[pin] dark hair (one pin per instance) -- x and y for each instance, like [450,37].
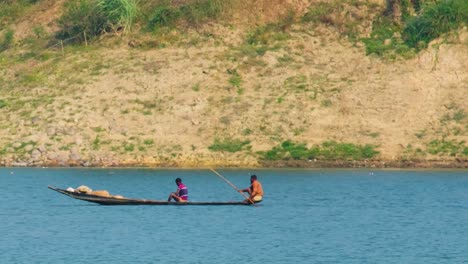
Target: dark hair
[178,180]
[253,177]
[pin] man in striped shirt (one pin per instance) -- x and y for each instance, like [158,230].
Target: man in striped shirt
[181,194]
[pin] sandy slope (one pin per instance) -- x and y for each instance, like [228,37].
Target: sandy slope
[164,107]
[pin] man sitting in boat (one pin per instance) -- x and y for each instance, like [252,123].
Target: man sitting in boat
[255,190]
[181,194]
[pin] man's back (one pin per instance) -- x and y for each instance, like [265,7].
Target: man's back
[183,192]
[257,188]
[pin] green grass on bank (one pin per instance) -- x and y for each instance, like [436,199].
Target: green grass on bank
[229,145]
[7,40]
[329,150]
[432,20]
[443,147]
[385,40]
[84,20]
[163,14]
[289,150]
[11,10]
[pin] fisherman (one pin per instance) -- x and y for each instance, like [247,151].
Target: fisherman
[255,190]
[181,194]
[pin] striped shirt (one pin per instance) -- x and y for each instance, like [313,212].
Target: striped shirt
[182,191]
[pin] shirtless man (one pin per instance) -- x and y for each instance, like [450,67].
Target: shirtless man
[255,190]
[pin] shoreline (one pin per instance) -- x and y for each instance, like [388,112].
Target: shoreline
[284,164]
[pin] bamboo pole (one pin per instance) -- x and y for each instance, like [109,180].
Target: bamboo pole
[233,186]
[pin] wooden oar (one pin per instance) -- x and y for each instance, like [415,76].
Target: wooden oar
[233,186]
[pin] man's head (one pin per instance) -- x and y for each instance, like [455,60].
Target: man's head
[253,178]
[178,181]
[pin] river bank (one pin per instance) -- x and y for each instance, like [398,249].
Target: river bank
[232,95]
[380,164]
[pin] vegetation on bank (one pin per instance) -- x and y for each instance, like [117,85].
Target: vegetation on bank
[420,21]
[433,20]
[7,40]
[286,151]
[229,145]
[13,9]
[447,147]
[191,13]
[415,27]
[85,21]
[328,150]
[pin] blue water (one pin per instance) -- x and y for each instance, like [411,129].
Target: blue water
[308,216]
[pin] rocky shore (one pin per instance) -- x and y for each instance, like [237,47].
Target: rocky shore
[73,159]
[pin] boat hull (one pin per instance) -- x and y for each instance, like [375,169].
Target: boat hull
[130,201]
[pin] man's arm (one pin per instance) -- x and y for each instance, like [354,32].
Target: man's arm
[244,190]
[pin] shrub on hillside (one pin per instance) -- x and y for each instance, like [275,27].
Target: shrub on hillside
[164,15]
[201,10]
[446,147]
[384,40]
[7,40]
[90,18]
[119,14]
[81,19]
[11,10]
[435,20]
[328,150]
[229,145]
[2,103]
[193,13]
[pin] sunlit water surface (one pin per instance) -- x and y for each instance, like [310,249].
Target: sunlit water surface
[308,216]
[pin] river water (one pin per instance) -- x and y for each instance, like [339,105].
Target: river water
[307,216]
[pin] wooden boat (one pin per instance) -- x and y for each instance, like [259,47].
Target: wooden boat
[130,201]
